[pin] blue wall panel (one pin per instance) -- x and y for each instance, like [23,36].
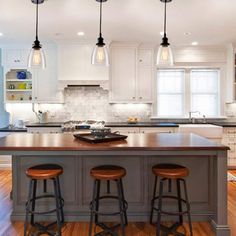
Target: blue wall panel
[4,116]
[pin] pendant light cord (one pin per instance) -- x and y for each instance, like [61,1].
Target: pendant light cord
[37,12]
[165,20]
[100,26]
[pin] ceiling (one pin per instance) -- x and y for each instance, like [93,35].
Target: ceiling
[211,22]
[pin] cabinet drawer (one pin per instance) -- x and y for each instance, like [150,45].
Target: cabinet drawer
[157,130]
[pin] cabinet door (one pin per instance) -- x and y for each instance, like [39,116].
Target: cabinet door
[145,76]
[145,84]
[74,63]
[145,57]
[16,58]
[45,81]
[123,74]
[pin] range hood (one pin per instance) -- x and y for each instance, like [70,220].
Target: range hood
[83,83]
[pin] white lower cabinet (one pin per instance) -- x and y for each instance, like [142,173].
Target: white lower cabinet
[157,130]
[125,130]
[41,130]
[229,139]
[143,130]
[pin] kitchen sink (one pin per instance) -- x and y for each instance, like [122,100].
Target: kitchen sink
[206,130]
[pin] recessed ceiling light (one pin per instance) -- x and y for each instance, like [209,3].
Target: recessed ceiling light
[162,33]
[194,43]
[187,33]
[81,33]
[1,34]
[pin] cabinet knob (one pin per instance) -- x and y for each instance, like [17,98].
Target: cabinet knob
[35,97]
[140,60]
[133,97]
[140,97]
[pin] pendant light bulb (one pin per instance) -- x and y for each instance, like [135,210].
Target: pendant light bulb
[165,55]
[100,55]
[36,57]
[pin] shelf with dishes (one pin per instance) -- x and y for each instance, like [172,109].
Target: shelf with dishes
[18,86]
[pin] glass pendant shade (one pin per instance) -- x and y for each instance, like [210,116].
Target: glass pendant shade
[100,56]
[37,59]
[165,56]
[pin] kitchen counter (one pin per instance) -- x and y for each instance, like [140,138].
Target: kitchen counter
[49,124]
[206,160]
[138,124]
[141,124]
[8,129]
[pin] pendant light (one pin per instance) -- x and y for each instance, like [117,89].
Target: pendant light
[165,55]
[36,57]
[100,54]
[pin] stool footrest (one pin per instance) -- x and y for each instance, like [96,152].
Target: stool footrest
[45,212]
[108,213]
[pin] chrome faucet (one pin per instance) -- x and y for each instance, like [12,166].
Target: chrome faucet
[190,118]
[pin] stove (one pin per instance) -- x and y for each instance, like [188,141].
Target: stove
[80,126]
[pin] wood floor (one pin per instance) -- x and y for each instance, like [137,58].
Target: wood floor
[7,228]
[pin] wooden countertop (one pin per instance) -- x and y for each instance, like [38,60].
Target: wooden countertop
[134,142]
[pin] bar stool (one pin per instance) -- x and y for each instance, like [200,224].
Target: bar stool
[170,172]
[108,173]
[43,173]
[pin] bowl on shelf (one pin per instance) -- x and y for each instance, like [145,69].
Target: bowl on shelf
[21,75]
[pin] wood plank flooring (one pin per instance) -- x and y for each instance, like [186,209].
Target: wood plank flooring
[8,228]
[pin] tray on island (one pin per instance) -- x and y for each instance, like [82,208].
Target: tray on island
[93,139]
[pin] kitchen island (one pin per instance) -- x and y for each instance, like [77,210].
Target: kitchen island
[206,160]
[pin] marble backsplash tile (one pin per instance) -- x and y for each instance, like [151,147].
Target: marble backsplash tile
[83,103]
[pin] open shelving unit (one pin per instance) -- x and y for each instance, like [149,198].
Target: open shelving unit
[18,90]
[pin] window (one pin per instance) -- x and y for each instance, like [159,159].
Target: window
[170,93]
[205,92]
[182,90]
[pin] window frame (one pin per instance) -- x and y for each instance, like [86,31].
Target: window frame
[187,94]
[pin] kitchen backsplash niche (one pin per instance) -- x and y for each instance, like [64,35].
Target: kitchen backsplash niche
[83,103]
[93,103]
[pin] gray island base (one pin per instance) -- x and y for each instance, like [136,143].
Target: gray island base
[206,160]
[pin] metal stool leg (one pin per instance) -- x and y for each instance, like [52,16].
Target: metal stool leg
[153,200]
[179,200]
[158,232]
[28,207]
[123,200]
[93,207]
[188,208]
[97,200]
[121,207]
[33,200]
[57,200]
[61,203]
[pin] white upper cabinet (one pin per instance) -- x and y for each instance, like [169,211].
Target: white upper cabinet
[44,81]
[131,74]
[45,88]
[145,76]
[123,73]
[15,58]
[74,64]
